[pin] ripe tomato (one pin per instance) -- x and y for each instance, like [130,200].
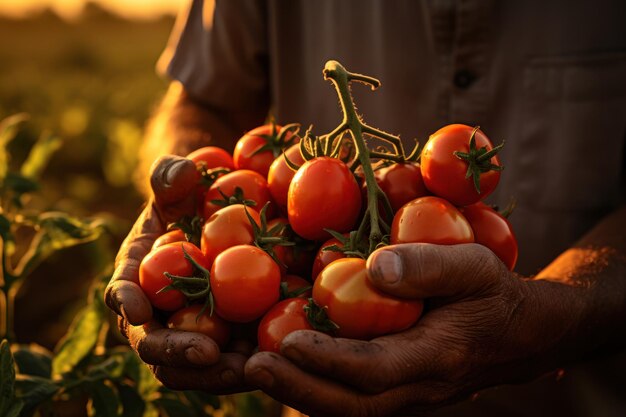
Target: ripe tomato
[175,235]
[247,155]
[444,172]
[280,175]
[212,157]
[296,283]
[168,258]
[283,318]
[227,227]
[356,306]
[325,257]
[189,319]
[323,194]
[252,184]
[401,183]
[430,220]
[245,282]
[493,231]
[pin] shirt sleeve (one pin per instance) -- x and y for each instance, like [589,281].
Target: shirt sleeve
[218,51]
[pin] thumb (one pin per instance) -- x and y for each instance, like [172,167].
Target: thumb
[173,179]
[422,270]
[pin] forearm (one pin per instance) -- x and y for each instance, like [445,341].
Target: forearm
[585,292]
[182,124]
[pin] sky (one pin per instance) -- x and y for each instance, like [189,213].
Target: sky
[71,8]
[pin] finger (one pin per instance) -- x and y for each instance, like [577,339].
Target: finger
[128,300]
[173,180]
[317,396]
[224,377]
[421,270]
[371,367]
[157,345]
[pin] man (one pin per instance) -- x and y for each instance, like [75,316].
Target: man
[547,78]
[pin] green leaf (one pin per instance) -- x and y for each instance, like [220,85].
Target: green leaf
[8,130]
[132,403]
[39,155]
[15,409]
[199,400]
[81,338]
[33,360]
[104,401]
[5,229]
[34,390]
[173,407]
[20,184]
[7,378]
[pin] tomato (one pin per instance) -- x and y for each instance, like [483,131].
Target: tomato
[252,184]
[189,319]
[493,231]
[296,283]
[325,257]
[323,194]
[280,175]
[212,157]
[356,306]
[245,282]
[225,228]
[247,155]
[285,317]
[168,258]
[401,183]
[430,220]
[444,172]
[175,235]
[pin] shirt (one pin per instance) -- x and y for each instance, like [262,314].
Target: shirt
[546,77]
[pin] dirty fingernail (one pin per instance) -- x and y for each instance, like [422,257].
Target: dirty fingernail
[195,356]
[385,266]
[263,378]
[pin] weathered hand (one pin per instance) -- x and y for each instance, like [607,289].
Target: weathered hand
[180,360]
[484,326]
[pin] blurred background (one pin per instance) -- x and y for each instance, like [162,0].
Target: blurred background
[84,71]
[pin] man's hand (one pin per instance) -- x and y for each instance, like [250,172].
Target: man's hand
[180,360]
[484,326]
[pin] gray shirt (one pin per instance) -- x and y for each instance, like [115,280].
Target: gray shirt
[548,77]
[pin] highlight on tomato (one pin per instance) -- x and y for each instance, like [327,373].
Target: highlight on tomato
[237,187]
[197,318]
[283,318]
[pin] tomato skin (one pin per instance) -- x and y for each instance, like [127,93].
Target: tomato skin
[430,220]
[248,144]
[493,231]
[323,194]
[325,257]
[245,282]
[187,319]
[280,175]
[167,258]
[213,157]
[356,306]
[283,318]
[294,283]
[253,185]
[226,228]
[444,173]
[175,235]
[401,183]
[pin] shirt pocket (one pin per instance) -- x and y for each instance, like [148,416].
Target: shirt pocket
[572,130]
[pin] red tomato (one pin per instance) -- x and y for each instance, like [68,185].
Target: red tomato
[280,175]
[285,317]
[245,155]
[245,282]
[295,283]
[493,231]
[401,183]
[444,172]
[175,235]
[356,306]
[253,185]
[226,228]
[168,258]
[430,220]
[189,319]
[325,257]
[212,157]
[323,194]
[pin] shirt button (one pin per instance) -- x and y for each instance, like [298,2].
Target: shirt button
[463,79]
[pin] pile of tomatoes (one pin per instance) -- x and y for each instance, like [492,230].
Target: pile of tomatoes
[279,249]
